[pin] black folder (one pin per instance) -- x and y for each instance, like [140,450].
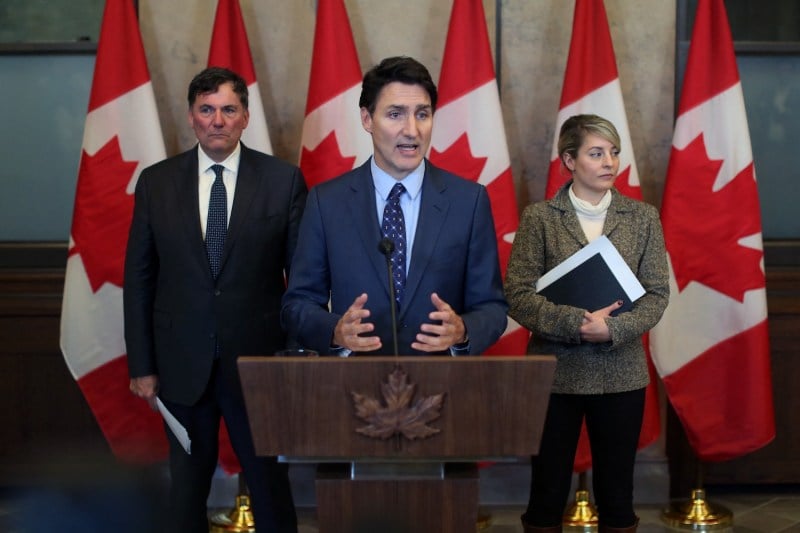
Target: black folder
[594,277]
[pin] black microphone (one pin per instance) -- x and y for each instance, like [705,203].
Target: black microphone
[386,247]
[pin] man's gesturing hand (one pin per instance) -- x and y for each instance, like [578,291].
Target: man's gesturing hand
[440,337]
[346,333]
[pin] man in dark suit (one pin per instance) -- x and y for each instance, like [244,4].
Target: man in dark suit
[447,277]
[213,233]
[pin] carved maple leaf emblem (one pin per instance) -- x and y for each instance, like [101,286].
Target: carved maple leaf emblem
[397,417]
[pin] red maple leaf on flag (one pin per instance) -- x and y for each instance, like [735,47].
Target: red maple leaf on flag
[623,185]
[459,160]
[506,219]
[704,227]
[103,213]
[325,161]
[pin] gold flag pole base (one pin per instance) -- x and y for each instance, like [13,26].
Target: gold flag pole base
[697,515]
[581,513]
[240,519]
[484,520]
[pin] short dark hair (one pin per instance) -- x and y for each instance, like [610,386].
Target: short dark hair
[209,80]
[401,68]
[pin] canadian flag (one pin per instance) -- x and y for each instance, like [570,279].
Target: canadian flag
[591,85]
[121,136]
[230,49]
[469,137]
[333,140]
[711,347]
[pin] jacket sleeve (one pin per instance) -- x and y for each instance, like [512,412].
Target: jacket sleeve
[485,306]
[297,203]
[304,313]
[544,319]
[141,270]
[653,274]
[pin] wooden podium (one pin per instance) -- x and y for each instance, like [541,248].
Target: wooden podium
[397,438]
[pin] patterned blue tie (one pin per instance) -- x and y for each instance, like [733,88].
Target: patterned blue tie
[217,222]
[394,228]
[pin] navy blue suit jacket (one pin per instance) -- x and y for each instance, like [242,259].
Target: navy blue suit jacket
[337,258]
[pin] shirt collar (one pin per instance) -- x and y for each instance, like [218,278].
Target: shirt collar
[231,163]
[384,182]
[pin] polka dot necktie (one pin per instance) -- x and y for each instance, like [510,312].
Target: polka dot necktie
[394,228]
[217,222]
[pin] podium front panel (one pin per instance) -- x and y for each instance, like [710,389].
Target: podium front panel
[491,406]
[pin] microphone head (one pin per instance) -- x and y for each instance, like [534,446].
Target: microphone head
[386,246]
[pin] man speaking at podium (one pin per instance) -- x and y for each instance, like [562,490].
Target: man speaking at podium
[396,216]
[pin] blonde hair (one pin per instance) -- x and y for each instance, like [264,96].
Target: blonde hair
[577,127]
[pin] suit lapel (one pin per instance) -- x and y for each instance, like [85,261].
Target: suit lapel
[432,214]
[569,218]
[360,206]
[613,213]
[187,193]
[247,183]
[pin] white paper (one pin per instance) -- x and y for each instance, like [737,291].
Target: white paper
[177,428]
[625,276]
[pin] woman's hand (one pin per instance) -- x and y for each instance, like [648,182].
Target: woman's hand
[594,327]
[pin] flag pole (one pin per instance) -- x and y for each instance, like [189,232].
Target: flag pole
[697,512]
[581,513]
[239,519]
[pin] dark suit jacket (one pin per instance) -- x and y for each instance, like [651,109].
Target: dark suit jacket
[174,310]
[454,255]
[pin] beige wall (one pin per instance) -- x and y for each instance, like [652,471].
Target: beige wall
[534,43]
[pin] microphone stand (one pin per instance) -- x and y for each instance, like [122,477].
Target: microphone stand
[386,247]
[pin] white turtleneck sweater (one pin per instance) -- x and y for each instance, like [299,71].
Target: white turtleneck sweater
[591,217]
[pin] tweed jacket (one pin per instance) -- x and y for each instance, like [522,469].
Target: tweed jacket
[548,233]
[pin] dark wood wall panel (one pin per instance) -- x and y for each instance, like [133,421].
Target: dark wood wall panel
[43,414]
